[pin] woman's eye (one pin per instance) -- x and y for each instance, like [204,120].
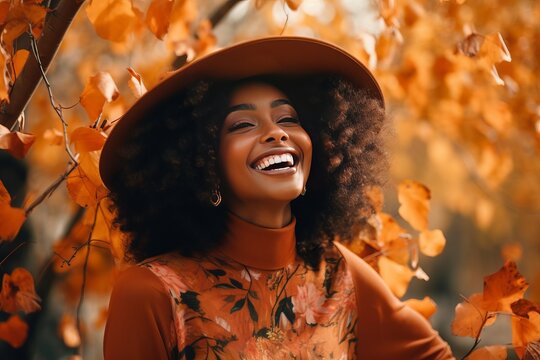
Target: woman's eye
[240,125]
[289,119]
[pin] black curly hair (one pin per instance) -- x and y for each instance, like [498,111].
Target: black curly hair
[170,167]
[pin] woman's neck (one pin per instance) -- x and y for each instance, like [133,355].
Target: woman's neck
[273,216]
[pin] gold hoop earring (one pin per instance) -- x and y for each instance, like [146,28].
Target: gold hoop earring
[303,191]
[215,198]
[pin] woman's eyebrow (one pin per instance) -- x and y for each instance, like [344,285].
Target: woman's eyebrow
[273,104]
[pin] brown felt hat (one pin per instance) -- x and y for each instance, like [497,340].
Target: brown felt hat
[280,55]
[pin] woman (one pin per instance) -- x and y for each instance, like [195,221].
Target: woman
[232,178]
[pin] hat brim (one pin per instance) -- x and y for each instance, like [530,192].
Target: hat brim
[281,55]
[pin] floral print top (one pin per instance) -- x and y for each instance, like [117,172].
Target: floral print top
[253,298]
[226,309]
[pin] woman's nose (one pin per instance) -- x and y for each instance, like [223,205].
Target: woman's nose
[273,132]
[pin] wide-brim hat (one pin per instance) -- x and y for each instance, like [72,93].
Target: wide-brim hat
[280,55]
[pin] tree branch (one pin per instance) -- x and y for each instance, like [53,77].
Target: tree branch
[56,25]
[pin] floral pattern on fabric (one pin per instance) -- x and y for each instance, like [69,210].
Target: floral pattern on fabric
[225,310]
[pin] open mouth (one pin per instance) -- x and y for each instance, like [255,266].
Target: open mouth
[275,162]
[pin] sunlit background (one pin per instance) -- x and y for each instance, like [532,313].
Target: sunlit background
[461,81]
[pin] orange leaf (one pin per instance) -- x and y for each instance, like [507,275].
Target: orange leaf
[83,190]
[504,287]
[19,59]
[425,307]
[293,4]
[14,331]
[522,307]
[4,74]
[99,89]
[87,139]
[135,83]
[398,276]
[18,293]
[113,20]
[12,218]
[68,331]
[471,316]
[525,331]
[414,203]
[432,242]
[158,16]
[494,352]
[15,143]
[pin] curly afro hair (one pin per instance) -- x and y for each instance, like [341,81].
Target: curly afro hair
[170,167]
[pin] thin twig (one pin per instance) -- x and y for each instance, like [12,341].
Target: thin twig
[50,190]
[57,108]
[11,252]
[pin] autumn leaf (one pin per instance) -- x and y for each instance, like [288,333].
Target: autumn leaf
[81,188]
[20,15]
[135,83]
[471,316]
[495,352]
[525,331]
[19,60]
[398,276]
[18,293]
[86,139]
[4,74]
[113,20]
[414,203]
[503,288]
[293,4]
[99,89]
[12,218]
[14,331]
[15,143]
[431,242]
[522,307]
[425,307]
[158,16]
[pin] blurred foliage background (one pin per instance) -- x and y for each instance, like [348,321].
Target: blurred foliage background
[460,77]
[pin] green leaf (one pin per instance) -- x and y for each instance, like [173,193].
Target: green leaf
[253,294]
[252,311]
[262,333]
[236,283]
[238,305]
[229,298]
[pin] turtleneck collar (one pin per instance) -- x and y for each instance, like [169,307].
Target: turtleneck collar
[259,247]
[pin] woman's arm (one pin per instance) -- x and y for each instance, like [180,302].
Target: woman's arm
[139,321]
[387,328]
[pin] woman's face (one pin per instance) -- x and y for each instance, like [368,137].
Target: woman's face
[264,152]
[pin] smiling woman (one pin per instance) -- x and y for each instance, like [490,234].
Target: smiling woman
[233,190]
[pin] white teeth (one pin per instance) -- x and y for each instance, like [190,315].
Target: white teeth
[274,159]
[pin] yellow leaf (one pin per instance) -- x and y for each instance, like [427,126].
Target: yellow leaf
[99,89]
[414,203]
[135,83]
[494,352]
[14,331]
[425,307]
[113,20]
[431,242]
